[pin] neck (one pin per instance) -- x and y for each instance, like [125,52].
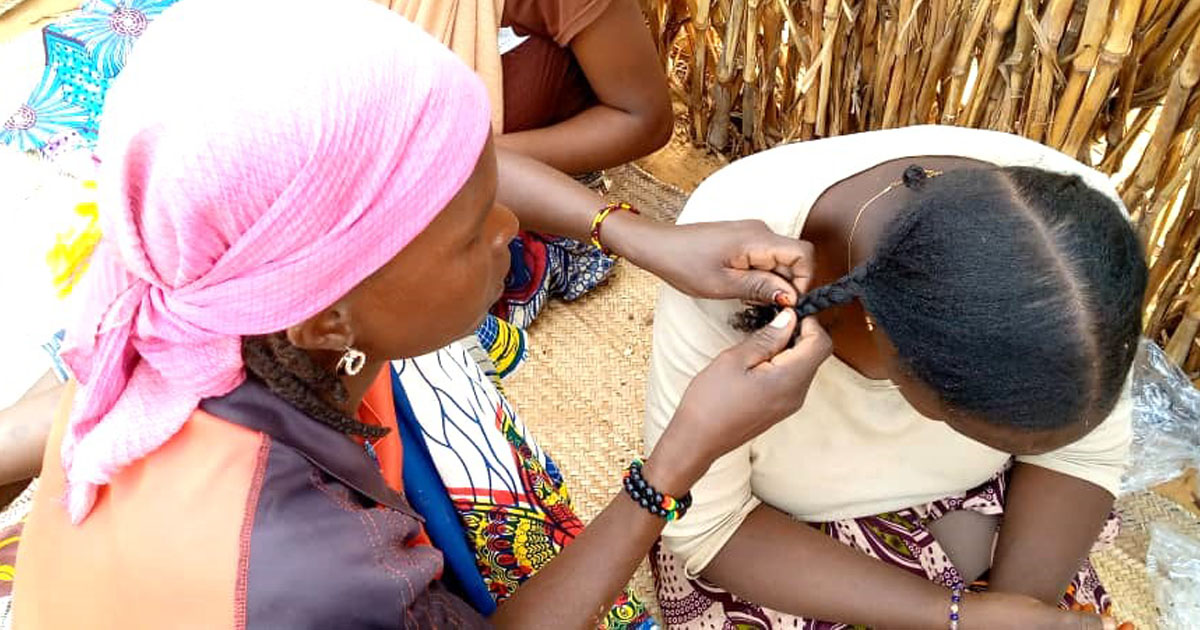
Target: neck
[357,386]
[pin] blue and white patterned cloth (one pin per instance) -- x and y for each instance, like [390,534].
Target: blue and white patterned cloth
[85,51]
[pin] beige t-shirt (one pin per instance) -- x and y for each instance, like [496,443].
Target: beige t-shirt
[856,448]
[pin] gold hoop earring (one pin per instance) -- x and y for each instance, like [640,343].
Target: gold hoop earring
[352,362]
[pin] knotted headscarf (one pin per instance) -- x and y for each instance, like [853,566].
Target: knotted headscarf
[260,158]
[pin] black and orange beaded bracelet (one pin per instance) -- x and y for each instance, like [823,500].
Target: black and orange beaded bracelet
[657,503]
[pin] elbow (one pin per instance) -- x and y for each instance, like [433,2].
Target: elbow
[651,123]
[660,122]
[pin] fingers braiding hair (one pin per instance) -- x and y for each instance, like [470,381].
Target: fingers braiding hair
[841,291]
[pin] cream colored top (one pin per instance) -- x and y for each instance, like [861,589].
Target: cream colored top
[857,448]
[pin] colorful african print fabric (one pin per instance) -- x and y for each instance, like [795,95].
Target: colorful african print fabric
[504,345]
[898,538]
[84,52]
[511,503]
[544,267]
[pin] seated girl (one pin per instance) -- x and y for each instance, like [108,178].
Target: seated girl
[983,295]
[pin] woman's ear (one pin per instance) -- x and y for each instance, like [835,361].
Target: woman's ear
[331,330]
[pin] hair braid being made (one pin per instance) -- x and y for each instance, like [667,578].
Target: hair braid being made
[841,291]
[291,374]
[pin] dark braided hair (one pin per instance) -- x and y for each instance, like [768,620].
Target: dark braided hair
[291,374]
[1015,293]
[842,291]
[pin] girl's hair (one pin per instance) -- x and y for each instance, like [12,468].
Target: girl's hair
[291,374]
[1014,292]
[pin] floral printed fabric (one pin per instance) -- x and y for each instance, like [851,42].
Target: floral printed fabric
[84,53]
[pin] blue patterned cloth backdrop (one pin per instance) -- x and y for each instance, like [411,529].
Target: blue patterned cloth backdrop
[85,51]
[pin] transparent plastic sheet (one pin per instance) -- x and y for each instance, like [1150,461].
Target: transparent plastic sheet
[1166,422]
[1173,562]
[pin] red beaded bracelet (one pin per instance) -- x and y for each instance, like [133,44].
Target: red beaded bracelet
[598,221]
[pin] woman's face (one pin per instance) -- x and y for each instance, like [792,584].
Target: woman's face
[439,288]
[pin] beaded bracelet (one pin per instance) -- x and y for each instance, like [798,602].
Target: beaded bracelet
[955,602]
[657,503]
[598,221]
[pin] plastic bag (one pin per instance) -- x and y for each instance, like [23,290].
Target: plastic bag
[1166,421]
[1173,562]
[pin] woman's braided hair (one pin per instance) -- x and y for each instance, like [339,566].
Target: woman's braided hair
[291,374]
[841,291]
[1014,292]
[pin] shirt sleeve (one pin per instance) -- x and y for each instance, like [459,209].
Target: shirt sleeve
[1102,456]
[687,336]
[690,333]
[558,20]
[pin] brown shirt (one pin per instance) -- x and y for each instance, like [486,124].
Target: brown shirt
[543,83]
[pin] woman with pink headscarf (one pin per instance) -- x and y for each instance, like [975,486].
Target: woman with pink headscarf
[285,215]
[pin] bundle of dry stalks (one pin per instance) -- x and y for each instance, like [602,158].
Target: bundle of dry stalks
[1113,82]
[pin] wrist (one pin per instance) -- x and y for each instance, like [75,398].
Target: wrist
[673,467]
[934,607]
[624,232]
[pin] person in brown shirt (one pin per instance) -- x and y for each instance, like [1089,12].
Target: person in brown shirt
[585,90]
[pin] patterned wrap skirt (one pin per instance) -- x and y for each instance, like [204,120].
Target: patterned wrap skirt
[901,538]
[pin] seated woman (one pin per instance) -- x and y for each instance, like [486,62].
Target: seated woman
[983,296]
[230,458]
[583,91]
[583,86]
[575,84]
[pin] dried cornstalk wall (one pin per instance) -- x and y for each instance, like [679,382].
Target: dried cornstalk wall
[1113,82]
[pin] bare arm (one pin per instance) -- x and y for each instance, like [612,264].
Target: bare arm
[728,260]
[746,390]
[1051,521]
[24,429]
[788,566]
[578,587]
[544,199]
[634,116]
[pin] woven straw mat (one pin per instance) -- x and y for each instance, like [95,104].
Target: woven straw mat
[1122,567]
[582,394]
[582,388]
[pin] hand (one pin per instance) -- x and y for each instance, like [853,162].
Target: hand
[741,260]
[743,392]
[1002,611]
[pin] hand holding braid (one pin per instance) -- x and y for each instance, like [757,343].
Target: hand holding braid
[841,291]
[847,287]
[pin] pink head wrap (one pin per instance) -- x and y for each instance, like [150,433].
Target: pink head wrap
[260,159]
